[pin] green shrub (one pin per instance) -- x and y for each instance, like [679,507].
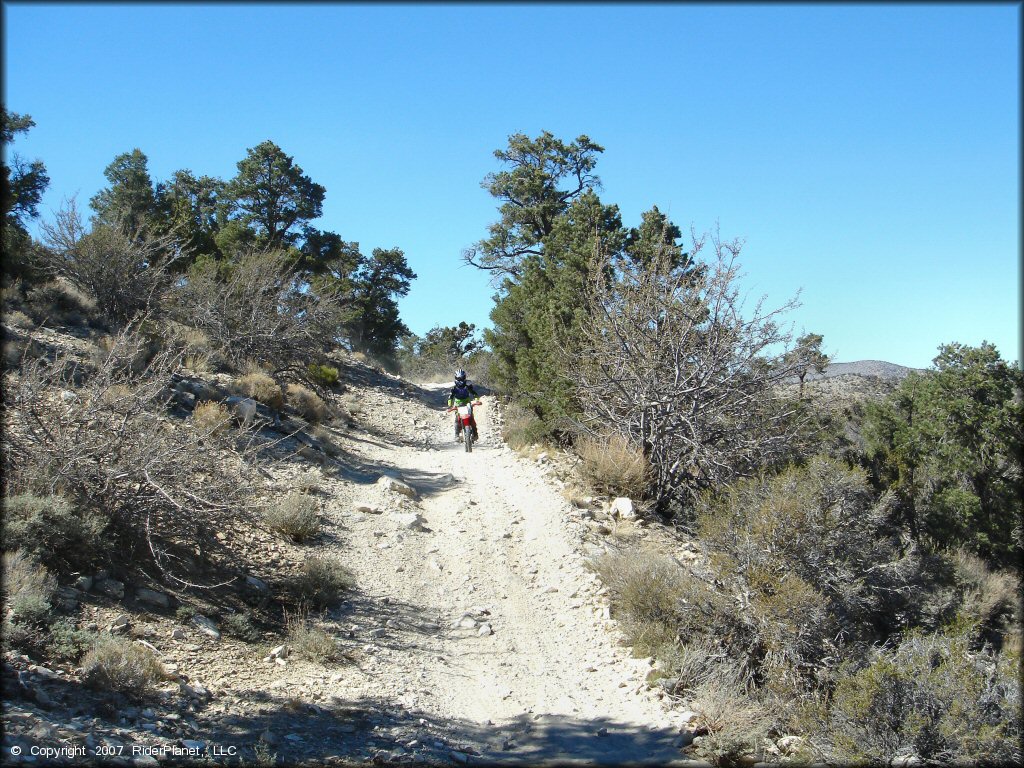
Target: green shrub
[184,613]
[647,592]
[240,625]
[295,516]
[50,528]
[118,664]
[932,697]
[28,588]
[821,524]
[321,581]
[324,375]
[67,642]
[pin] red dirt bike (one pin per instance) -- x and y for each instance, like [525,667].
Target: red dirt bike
[466,417]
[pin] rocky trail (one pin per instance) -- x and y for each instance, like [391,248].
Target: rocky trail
[476,635]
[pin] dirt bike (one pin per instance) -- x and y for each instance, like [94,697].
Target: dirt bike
[466,417]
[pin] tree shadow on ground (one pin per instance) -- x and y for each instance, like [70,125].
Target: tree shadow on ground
[360,730]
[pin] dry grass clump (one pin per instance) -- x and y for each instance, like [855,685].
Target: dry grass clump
[58,303]
[989,600]
[262,387]
[18,319]
[28,588]
[326,439]
[118,664]
[308,404]
[736,723]
[295,517]
[311,642]
[613,465]
[307,482]
[352,404]
[522,428]
[211,418]
[322,581]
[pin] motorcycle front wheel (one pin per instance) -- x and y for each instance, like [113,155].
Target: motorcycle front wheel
[467,436]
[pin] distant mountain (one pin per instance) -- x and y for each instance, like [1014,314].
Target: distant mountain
[876,368]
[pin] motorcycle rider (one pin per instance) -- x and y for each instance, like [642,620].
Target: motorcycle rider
[461,394]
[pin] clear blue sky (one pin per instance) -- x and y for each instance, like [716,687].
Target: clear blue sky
[868,154]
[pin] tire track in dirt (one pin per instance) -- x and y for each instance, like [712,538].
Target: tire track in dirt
[498,542]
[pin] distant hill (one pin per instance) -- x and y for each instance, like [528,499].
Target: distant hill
[875,368]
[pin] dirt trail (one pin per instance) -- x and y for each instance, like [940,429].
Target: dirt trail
[476,634]
[531,672]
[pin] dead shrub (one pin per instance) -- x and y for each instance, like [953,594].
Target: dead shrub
[118,664]
[155,482]
[523,428]
[321,581]
[614,466]
[123,269]
[262,387]
[307,403]
[294,517]
[257,308]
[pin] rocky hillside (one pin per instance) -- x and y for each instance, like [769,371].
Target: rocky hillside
[870,368]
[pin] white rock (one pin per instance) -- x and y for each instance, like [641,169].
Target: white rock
[258,584]
[389,483]
[152,597]
[111,587]
[178,633]
[280,651]
[622,507]
[366,507]
[789,743]
[410,520]
[485,630]
[207,626]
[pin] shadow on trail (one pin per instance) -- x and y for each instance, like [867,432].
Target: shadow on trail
[369,614]
[343,731]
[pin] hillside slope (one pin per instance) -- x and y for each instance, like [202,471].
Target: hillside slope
[476,633]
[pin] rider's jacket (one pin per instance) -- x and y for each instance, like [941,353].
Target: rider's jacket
[461,394]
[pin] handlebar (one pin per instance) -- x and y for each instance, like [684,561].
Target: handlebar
[453,407]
